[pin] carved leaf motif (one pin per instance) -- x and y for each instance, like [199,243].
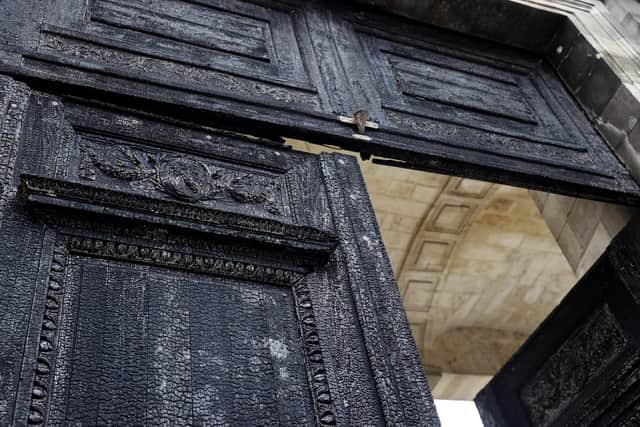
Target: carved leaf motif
[243,189]
[184,178]
[120,163]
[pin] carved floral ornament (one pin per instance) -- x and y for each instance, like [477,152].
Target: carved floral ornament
[184,178]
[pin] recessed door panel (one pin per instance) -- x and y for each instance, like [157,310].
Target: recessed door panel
[141,347]
[458,105]
[233,49]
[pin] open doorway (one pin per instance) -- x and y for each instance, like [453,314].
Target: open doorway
[479,265]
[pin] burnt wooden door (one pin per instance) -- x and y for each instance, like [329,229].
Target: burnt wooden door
[158,272]
[435,100]
[581,367]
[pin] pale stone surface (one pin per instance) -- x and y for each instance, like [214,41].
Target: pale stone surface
[627,13]
[459,387]
[582,228]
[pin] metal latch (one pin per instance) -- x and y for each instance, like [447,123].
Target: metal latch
[361,120]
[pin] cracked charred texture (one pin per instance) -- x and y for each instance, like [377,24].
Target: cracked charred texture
[127,309]
[395,367]
[46,355]
[444,102]
[174,73]
[220,266]
[146,348]
[325,410]
[19,258]
[345,357]
[14,98]
[570,369]
[46,193]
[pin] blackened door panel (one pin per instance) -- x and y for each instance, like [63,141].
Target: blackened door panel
[160,272]
[436,100]
[464,106]
[238,49]
[142,347]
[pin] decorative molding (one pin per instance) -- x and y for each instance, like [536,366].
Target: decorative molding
[325,409]
[183,177]
[50,192]
[84,51]
[48,329]
[432,255]
[558,154]
[576,363]
[183,260]
[14,99]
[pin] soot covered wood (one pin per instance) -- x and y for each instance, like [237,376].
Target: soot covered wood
[159,272]
[440,101]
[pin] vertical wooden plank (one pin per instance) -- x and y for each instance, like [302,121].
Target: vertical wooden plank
[168,353]
[361,68]
[349,373]
[288,56]
[14,103]
[122,374]
[404,394]
[86,381]
[211,313]
[251,372]
[21,249]
[344,353]
[21,268]
[283,342]
[247,365]
[331,71]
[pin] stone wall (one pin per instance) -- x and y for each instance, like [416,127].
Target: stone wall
[583,228]
[627,13]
